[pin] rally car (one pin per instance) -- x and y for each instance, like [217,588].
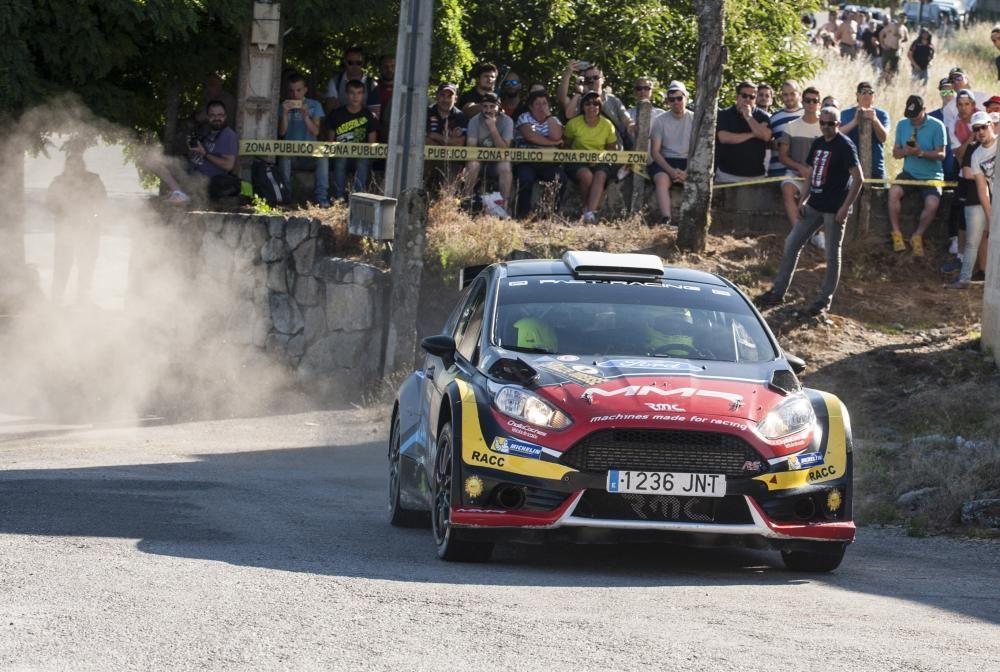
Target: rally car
[604,397]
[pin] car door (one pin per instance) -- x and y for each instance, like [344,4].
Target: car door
[465,327]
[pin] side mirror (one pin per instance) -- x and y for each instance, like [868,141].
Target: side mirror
[440,346]
[797,363]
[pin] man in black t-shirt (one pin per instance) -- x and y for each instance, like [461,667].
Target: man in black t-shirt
[743,133]
[834,185]
[353,122]
[486,79]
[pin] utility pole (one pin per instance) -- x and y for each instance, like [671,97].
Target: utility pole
[695,213]
[260,73]
[405,166]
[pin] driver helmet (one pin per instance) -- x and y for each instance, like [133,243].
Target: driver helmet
[534,333]
[672,330]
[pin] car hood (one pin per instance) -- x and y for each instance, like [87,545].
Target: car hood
[660,388]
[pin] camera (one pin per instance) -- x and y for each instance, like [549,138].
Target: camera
[193,141]
[582,66]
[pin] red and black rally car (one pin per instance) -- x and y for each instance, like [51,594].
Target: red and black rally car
[604,397]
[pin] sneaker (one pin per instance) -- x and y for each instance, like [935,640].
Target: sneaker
[951,266]
[623,173]
[589,217]
[819,240]
[817,309]
[768,299]
[917,243]
[953,247]
[667,222]
[897,242]
[957,285]
[323,203]
[178,198]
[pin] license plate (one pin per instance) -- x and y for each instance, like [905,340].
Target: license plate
[667,483]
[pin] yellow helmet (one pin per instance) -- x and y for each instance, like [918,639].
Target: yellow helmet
[533,333]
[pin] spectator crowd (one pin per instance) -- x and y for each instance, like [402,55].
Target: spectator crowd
[810,145]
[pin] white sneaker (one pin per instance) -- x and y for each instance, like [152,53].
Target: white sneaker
[178,198]
[589,217]
[819,240]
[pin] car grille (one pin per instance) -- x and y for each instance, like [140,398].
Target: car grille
[666,450]
[728,510]
[539,499]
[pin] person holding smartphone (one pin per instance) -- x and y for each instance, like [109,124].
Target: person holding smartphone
[301,119]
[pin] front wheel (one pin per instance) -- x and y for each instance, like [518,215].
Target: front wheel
[814,561]
[450,545]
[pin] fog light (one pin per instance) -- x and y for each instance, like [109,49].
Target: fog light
[834,501]
[473,486]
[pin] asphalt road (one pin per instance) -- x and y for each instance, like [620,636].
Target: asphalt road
[261,544]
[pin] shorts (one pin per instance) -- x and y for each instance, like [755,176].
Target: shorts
[799,183]
[925,191]
[655,169]
[573,168]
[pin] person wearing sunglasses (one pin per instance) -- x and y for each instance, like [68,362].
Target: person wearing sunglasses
[794,145]
[956,214]
[978,168]
[643,90]
[671,140]
[835,181]
[590,131]
[742,132]
[850,120]
[511,88]
[791,99]
[353,64]
[920,141]
[593,81]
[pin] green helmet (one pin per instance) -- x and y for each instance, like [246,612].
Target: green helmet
[533,333]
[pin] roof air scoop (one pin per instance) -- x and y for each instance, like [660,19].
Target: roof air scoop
[609,266]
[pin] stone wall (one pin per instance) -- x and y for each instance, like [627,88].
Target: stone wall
[263,286]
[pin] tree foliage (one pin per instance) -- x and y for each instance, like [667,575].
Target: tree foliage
[123,58]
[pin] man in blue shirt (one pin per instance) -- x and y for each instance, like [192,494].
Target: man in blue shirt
[301,119]
[865,109]
[920,141]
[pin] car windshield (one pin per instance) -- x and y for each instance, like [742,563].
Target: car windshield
[648,319]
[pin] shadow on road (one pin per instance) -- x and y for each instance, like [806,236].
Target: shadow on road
[321,510]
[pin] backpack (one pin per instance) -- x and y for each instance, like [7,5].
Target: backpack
[268,183]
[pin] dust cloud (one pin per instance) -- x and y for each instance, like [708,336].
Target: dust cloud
[115,324]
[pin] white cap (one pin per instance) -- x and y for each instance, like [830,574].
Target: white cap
[677,86]
[980,118]
[995,116]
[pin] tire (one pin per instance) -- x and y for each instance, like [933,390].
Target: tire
[814,561]
[398,516]
[450,544]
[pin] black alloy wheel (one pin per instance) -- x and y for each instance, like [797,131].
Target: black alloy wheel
[449,542]
[398,516]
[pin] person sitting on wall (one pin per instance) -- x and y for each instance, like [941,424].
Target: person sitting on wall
[538,128]
[211,160]
[590,131]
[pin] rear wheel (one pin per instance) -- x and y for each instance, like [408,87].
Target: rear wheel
[398,516]
[814,561]
[450,544]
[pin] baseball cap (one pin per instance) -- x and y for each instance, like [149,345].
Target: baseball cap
[944,83]
[964,93]
[956,71]
[589,96]
[677,86]
[914,106]
[980,119]
[865,87]
[445,86]
[994,100]
[489,98]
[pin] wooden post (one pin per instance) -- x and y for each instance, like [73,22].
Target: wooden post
[259,86]
[643,120]
[696,204]
[865,151]
[407,267]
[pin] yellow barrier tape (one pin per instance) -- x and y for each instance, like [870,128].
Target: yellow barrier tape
[358,150]
[868,180]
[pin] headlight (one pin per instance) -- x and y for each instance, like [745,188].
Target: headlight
[523,405]
[788,417]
